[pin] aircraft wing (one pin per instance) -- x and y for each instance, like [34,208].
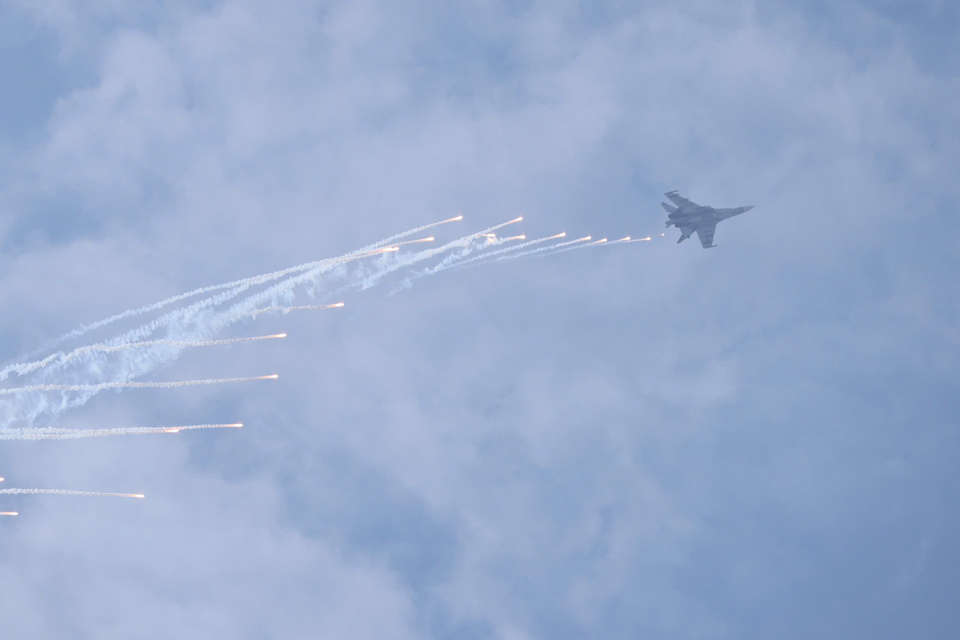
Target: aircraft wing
[680,201]
[705,233]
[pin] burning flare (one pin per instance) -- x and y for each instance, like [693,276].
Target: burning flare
[58,433]
[67,492]
[131,385]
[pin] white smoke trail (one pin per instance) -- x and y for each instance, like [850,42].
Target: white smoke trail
[62,358]
[144,330]
[55,433]
[390,240]
[212,322]
[202,319]
[192,310]
[238,287]
[67,492]
[130,385]
[598,243]
[495,227]
[455,258]
[307,272]
[80,331]
[463,244]
[491,254]
[304,307]
[418,241]
[250,305]
[460,259]
[534,252]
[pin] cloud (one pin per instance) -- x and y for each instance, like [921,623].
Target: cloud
[641,439]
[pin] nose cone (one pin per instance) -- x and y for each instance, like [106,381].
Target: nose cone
[747,208]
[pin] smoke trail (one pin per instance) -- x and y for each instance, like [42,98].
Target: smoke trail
[499,226]
[80,331]
[235,288]
[457,260]
[283,289]
[67,492]
[200,320]
[192,310]
[130,385]
[250,305]
[307,274]
[419,241]
[534,252]
[458,257]
[598,243]
[62,358]
[305,307]
[145,329]
[55,433]
[488,255]
[463,244]
[388,241]
[32,407]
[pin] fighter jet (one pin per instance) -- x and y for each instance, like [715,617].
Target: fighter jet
[688,216]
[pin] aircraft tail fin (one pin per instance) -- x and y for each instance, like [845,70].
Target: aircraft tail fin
[668,208]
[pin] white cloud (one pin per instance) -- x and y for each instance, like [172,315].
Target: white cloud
[557,447]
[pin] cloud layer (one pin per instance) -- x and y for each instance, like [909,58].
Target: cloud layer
[757,441]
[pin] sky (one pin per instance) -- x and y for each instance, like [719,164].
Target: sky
[644,440]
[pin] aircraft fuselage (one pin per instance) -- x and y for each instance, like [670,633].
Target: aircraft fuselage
[703,215]
[690,218]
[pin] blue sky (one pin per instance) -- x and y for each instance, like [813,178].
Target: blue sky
[646,440]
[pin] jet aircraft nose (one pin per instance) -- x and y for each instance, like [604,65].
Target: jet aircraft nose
[747,208]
